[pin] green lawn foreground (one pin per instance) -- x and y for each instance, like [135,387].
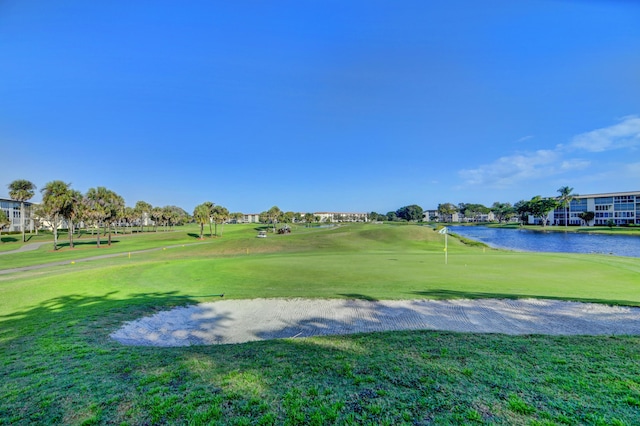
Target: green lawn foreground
[60,367]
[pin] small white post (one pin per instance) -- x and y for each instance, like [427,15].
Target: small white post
[445,231]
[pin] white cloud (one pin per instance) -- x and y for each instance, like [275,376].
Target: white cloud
[574,164]
[511,170]
[505,171]
[622,135]
[524,138]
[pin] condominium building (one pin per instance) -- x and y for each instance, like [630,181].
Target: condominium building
[436,216]
[617,208]
[251,218]
[342,217]
[11,209]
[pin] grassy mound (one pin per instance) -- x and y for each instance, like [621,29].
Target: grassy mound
[59,365]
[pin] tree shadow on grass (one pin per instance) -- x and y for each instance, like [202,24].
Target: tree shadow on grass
[84,243]
[359,296]
[52,349]
[442,294]
[197,236]
[60,366]
[100,313]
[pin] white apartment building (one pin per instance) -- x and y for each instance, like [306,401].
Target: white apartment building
[342,217]
[251,218]
[11,209]
[621,208]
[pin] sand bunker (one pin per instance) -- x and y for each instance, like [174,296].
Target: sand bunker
[239,321]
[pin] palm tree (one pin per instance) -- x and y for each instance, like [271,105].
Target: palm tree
[211,207]
[142,209]
[73,211]
[166,217]
[274,214]
[564,199]
[129,216]
[219,215]
[447,210]
[202,215]
[308,218]
[4,221]
[156,215]
[115,209]
[56,198]
[103,208]
[21,190]
[94,208]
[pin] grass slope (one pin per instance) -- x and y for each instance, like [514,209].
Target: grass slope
[59,365]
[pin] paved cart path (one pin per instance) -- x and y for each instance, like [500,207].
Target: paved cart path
[238,321]
[89,258]
[26,247]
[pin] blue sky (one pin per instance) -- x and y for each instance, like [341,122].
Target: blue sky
[321,105]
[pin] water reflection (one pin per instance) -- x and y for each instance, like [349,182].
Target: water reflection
[561,242]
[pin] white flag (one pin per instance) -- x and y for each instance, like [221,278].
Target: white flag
[444,230]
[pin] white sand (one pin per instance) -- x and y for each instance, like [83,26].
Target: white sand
[239,321]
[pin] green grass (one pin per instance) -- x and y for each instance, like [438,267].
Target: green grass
[60,367]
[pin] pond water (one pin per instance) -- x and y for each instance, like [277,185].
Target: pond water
[560,242]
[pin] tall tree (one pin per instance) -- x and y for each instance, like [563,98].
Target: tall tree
[156,216]
[115,208]
[56,198]
[4,221]
[540,207]
[21,190]
[175,215]
[564,199]
[130,217]
[391,216]
[308,218]
[274,214]
[473,211]
[412,213]
[288,217]
[522,209]
[586,217]
[166,217]
[95,209]
[237,217]
[211,207]
[446,210]
[73,211]
[502,211]
[220,215]
[142,211]
[202,215]
[103,207]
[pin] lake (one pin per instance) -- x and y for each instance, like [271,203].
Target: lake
[560,242]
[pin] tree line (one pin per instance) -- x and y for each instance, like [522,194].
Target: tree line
[99,208]
[538,207]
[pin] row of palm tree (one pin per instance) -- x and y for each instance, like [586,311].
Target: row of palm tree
[98,208]
[540,207]
[212,214]
[274,216]
[22,190]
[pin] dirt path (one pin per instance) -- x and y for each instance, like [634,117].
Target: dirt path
[88,259]
[239,321]
[26,247]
